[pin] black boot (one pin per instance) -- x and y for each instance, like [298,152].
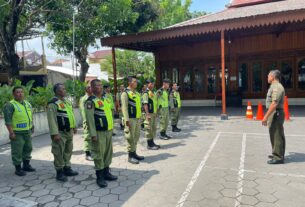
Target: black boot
[163,136]
[132,159]
[88,156]
[27,167]
[178,128]
[175,129]
[69,172]
[151,145]
[138,157]
[156,144]
[60,176]
[100,181]
[167,136]
[108,175]
[122,126]
[19,171]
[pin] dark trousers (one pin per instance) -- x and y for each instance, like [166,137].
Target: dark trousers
[277,136]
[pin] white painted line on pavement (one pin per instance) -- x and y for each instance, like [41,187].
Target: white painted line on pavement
[241,171]
[261,134]
[189,187]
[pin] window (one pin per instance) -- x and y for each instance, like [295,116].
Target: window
[175,76]
[286,70]
[164,74]
[212,80]
[187,82]
[198,81]
[301,72]
[243,77]
[257,77]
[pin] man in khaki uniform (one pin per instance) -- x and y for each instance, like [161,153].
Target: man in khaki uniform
[149,102]
[275,117]
[144,89]
[118,104]
[62,127]
[87,138]
[19,123]
[163,108]
[98,111]
[131,109]
[175,107]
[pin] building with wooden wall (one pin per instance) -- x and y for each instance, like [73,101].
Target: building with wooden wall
[245,41]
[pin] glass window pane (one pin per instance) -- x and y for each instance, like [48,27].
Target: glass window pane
[301,72]
[212,80]
[257,83]
[187,82]
[243,77]
[198,82]
[175,76]
[164,74]
[286,70]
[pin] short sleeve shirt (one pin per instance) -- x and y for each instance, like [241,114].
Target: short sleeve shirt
[276,93]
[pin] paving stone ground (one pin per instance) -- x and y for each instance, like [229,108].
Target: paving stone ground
[210,163]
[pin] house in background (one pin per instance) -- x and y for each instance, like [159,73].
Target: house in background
[98,56]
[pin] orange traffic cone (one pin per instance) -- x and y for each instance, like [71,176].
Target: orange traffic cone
[286,109]
[249,114]
[260,112]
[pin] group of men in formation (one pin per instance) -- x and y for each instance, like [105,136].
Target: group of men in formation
[98,108]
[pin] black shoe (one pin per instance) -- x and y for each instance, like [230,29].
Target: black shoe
[113,134]
[131,158]
[167,136]
[270,156]
[138,157]
[69,172]
[156,144]
[88,156]
[275,162]
[151,145]
[122,126]
[27,167]
[108,175]
[162,136]
[100,181]
[60,176]
[175,129]
[19,171]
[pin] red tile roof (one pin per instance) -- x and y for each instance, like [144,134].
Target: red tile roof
[240,3]
[100,54]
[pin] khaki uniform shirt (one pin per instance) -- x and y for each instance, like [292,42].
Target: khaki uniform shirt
[276,93]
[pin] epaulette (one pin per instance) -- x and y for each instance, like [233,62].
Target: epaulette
[53,100]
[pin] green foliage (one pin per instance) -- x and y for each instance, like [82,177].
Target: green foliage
[75,89]
[129,62]
[40,96]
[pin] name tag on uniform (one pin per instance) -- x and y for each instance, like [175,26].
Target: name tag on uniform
[22,125]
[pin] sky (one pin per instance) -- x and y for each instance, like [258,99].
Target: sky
[210,6]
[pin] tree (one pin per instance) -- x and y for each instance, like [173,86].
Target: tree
[131,63]
[95,19]
[19,19]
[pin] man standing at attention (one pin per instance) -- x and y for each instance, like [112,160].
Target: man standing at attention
[175,106]
[149,101]
[275,117]
[162,95]
[62,127]
[19,123]
[131,109]
[87,138]
[100,125]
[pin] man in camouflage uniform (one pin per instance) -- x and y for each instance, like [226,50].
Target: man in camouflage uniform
[87,138]
[62,126]
[175,106]
[19,123]
[275,117]
[150,106]
[163,107]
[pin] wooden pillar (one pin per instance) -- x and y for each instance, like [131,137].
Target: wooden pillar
[224,115]
[115,82]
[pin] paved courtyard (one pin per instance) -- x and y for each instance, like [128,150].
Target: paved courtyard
[210,163]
